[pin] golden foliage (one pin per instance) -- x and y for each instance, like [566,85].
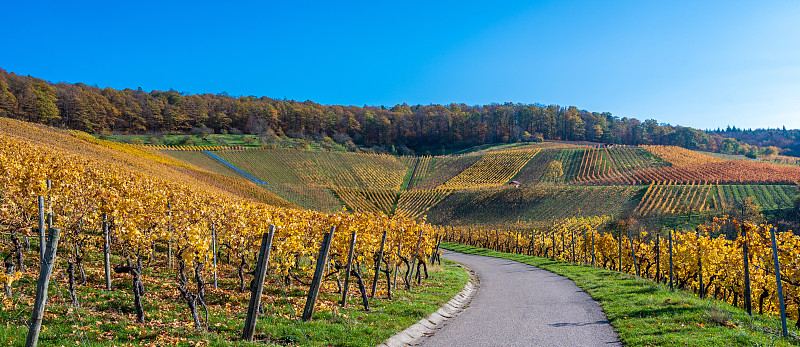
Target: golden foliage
[492,170]
[720,258]
[679,156]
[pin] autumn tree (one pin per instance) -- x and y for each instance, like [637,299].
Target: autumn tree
[421,128]
[8,102]
[747,209]
[554,170]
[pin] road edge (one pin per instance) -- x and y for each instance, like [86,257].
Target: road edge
[426,327]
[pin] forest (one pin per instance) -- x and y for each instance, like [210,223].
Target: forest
[411,128]
[788,140]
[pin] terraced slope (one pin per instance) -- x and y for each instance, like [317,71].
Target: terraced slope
[769,197]
[544,203]
[444,169]
[140,159]
[420,169]
[669,198]
[472,189]
[723,172]
[362,171]
[492,170]
[678,198]
[678,156]
[591,165]
[278,165]
[532,172]
[325,180]
[199,158]
[413,203]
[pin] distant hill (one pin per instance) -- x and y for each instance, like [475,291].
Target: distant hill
[399,129]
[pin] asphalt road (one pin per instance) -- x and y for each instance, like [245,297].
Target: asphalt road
[522,305]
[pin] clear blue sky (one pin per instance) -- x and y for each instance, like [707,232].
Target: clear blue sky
[704,64]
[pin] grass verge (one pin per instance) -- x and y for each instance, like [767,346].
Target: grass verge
[107,318]
[645,313]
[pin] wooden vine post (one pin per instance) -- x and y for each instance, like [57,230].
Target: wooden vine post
[378,266]
[397,264]
[670,262]
[700,265]
[169,232]
[414,257]
[42,241]
[748,305]
[41,289]
[619,250]
[258,287]
[572,234]
[49,206]
[319,272]
[348,268]
[633,253]
[214,252]
[778,281]
[593,251]
[106,251]
[658,258]
[543,249]
[438,249]
[532,245]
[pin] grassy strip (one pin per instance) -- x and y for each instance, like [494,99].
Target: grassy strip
[214,140]
[107,318]
[648,314]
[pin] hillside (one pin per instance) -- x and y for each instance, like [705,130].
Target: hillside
[504,196]
[153,219]
[649,182]
[140,159]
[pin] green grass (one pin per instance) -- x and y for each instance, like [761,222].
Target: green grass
[203,160]
[647,314]
[728,156]
[107,317]
[188,140]
[489,148]
[245,140]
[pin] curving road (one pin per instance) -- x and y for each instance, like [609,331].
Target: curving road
[522,305]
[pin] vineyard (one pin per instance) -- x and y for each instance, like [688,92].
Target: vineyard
[163,227]
[541,205]
[590,165]
[172,216]
[492,170]
[781,159]
[445,169]
[646,181]
[669,198]
[413,203]
[678,156]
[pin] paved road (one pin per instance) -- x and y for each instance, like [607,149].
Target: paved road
[522,305]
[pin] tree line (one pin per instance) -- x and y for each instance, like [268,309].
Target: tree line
[787,140]
[418,127]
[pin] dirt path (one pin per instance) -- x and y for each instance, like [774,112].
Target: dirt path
[522,305]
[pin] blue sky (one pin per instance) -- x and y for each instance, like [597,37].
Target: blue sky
[704,64]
